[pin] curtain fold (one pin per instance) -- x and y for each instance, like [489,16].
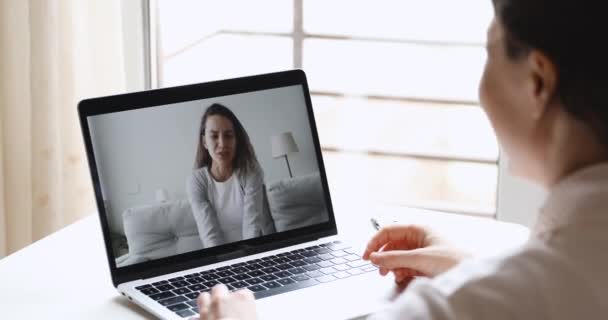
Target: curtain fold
[53,54]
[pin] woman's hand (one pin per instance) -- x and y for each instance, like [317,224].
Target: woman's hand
[409,250]
[221,304]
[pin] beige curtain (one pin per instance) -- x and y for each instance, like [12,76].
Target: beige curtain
[52,54]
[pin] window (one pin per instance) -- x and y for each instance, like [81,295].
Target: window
[394,86]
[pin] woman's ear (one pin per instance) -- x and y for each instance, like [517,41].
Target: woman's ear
[544,81]
[203,140]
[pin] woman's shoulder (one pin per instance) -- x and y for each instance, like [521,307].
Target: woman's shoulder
[199,176]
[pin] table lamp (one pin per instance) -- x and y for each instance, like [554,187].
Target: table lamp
[282,145]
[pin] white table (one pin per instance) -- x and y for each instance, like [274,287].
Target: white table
[66,276]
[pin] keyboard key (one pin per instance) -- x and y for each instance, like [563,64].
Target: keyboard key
[222,268]
[355,271]
[338,261]
[298,250]
[240,270]
[211,276]
[145,286]
[315,274]
[149,291]
[204,273]
[325,264]
[192,303]
[165,287]
[300,277]
[254,261]
[180,284]
[352,251]
[192,295]
[240,284]
[369,268]
[178,307]
[312,260]
[328,270]
[326,278]
[282,254]
[271,285]
[241,276]
[256,288]
[176,279]
[268,258]
[337,245]
[297,270]
[271,270]
[197,287]
[283,274]
[185,313]
[281,260]
[298,263]
[172,301]
[341,274]
[326,256]
[341,267]
[310,253]
[295,257]
[311,267]
[351,257]
[358,263]
[268,277]
[285,281]
[226,280]
[338,253]
[284,266]
[254,281]
[225,273]
[210,284]
[160,283]
[322,250]
[254,266]
[256,273]
[267,263]
[181,291]
[195,280]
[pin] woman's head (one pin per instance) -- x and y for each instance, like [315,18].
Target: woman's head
[223,141]
[547,68]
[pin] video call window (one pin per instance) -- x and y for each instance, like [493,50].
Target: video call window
[198,174]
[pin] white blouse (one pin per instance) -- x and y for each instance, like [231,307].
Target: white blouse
[228,202]
[561,273]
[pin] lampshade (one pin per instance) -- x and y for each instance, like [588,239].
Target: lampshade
[283,144]
[162,195]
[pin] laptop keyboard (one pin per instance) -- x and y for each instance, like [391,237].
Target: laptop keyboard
[266,277]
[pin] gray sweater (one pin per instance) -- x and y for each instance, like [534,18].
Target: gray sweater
[257,220]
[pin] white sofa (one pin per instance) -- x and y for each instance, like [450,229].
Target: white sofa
[166,229]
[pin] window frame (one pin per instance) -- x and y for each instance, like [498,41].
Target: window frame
[513,196]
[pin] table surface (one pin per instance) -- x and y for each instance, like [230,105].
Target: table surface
[66,275]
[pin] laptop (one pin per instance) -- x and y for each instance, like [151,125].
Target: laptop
[223,182]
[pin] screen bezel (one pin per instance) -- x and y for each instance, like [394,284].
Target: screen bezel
[166,96]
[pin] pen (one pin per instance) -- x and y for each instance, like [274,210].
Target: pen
[375,224]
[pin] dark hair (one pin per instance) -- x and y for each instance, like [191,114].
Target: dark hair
[572,34]
[244,157]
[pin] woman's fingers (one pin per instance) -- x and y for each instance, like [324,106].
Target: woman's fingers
[396,233]
[398,259]
[204,302]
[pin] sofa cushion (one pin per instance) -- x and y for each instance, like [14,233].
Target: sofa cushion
[161,230]
[297,202]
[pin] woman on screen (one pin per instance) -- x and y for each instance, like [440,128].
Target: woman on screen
[226,188]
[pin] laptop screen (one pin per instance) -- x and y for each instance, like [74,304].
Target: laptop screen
[198,174]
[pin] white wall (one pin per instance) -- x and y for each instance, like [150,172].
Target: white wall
[139,151]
